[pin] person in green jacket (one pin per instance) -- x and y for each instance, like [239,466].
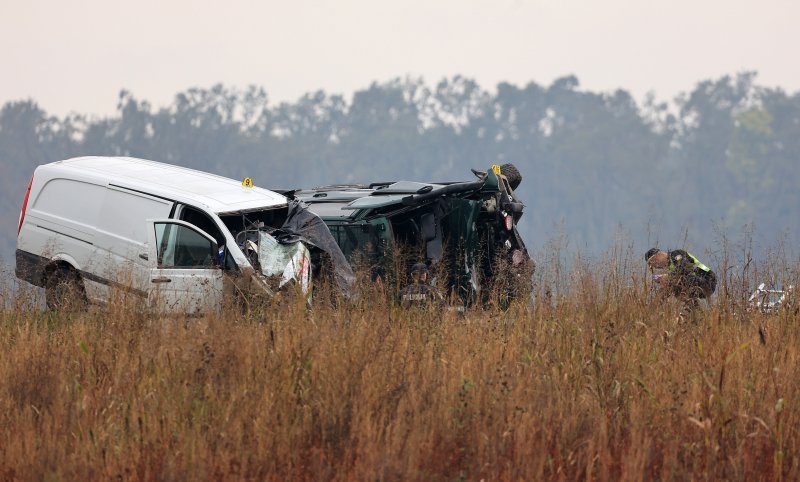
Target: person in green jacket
[683,275]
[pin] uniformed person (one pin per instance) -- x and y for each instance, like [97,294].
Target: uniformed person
[684,275]
[419,292]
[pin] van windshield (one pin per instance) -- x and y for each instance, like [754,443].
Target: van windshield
[269,217]
[240,224]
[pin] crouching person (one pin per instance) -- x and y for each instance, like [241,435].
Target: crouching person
[685,277]
[419,292]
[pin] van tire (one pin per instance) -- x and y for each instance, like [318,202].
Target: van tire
[64,290]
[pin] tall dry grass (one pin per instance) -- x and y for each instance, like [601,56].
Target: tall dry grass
[594,381]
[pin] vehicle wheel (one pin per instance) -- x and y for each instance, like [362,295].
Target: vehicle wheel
[64,291]
[511,173]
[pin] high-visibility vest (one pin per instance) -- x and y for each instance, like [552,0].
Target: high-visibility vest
[695,261]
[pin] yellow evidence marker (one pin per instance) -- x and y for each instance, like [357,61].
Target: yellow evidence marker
[496,168]
[248,182]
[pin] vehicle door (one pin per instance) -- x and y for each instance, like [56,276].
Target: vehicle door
[185,274]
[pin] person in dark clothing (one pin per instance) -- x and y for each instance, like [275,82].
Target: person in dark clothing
[419,292]
[685,276]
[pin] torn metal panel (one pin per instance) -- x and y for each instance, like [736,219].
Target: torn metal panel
[303,225]
[288,261]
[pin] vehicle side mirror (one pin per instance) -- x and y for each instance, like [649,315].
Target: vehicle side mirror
[428,227]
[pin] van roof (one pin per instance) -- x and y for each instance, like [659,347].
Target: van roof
[216,193]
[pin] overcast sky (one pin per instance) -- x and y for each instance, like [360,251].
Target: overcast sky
[76,55]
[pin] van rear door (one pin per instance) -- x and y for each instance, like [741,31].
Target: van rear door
[185,274]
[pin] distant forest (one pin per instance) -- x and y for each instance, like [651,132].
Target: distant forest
[597,166]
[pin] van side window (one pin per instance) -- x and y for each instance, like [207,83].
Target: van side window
[179,246]
[200,219]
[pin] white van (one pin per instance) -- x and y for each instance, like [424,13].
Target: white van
[163,232]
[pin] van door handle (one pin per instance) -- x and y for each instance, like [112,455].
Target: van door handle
[144,256]
[161,280]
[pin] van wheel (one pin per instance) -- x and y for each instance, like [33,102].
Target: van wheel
[64,291]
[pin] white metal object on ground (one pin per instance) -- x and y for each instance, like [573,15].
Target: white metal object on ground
[768,300]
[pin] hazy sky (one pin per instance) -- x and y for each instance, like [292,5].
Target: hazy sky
[76,55]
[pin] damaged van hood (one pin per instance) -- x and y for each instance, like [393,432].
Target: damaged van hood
[284,251]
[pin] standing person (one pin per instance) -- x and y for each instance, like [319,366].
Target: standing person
[686,277]
[419,292]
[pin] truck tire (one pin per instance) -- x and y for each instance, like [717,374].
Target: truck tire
[64,291]
[511,173]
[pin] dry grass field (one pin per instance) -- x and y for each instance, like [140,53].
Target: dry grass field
[595,380]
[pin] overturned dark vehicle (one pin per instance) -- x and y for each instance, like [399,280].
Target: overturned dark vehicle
[465,231]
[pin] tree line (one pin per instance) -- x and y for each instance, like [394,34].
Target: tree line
[594,164]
